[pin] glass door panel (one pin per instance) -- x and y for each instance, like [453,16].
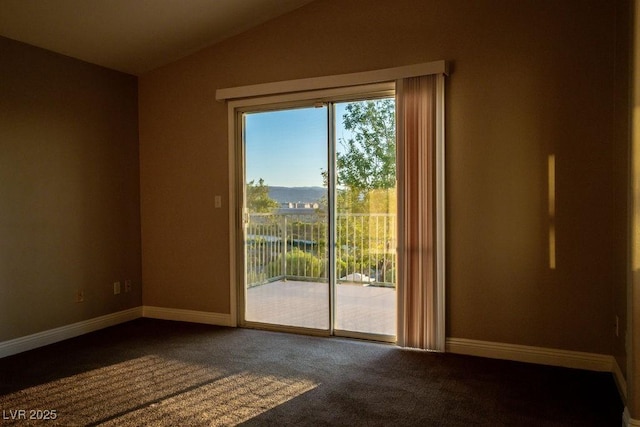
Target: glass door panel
[320,218]
[286,228]
[365,293]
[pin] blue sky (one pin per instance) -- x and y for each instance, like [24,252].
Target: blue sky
[289,147]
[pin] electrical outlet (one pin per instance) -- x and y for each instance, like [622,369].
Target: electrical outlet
[116,288]
[79,296]
[127,285]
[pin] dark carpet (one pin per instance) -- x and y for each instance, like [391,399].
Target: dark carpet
[153,372]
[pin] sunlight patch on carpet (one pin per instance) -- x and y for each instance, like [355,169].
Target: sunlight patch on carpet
[226,401]
[151,389]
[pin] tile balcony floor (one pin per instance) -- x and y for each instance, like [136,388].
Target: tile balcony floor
[367,309]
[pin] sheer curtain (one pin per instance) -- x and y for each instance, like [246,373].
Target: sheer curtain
[421,212]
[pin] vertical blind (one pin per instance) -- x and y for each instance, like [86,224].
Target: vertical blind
[420,157]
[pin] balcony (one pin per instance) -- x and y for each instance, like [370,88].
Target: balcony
[287,271]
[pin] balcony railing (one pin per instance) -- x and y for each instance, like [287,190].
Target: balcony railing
[294,246]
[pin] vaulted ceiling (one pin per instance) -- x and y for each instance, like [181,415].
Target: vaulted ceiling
[133,36]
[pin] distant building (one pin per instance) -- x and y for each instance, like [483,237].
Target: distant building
[298,208]
[299,205]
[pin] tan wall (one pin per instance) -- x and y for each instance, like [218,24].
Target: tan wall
[621,175]
[633,303]
[530,79]
[69,189]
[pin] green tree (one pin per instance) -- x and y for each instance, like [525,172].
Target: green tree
[366,166]
[258,200]
[368,160]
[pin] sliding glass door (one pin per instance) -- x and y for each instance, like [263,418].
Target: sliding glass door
[319,218]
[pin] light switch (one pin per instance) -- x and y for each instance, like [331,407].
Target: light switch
[217,200]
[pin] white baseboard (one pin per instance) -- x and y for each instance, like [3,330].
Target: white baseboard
[29,342]
[187,316]
[540,355]
[627,421]
[40,339]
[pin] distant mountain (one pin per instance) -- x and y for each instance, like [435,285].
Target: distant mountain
[297,194]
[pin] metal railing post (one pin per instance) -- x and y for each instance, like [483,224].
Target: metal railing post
[284,246]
